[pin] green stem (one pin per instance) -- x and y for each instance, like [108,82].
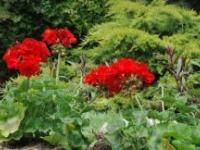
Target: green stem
[58,68]
[28,83]
[139,104]
[28,87]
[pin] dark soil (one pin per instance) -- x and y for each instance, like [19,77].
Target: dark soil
[27,144]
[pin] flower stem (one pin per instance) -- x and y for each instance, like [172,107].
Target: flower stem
[28,82]
[58,68]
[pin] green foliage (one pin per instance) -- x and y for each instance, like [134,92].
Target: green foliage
[156,117]
[10,120]
[144,32]
[32,16]
[174,136]
[110,122]
[49,109]
[4,14]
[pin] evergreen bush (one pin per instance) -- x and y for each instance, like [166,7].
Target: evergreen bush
[144,32]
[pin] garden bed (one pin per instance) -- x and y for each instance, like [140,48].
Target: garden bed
[99,75]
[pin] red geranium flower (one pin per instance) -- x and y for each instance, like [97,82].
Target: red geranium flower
[66,37]
[26,56]
[130,67]
[105,76]
[33,47]
[50,36]
[30,66]
[62,35]
[12,57]
[112,77]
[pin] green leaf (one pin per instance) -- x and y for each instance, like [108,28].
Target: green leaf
[11,115]
[182,145]
[57,139]
[4,14]
[109,122]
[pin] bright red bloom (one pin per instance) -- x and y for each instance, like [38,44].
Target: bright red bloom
[129,67]
[33,47]
[148,78]
[30,66]
[95,75]
[66,37]
[50,36]
[62,35]
[26,56]
[105,76]
[12,57]
[112,77]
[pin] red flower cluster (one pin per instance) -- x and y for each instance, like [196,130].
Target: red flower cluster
[113,76]
[62,35]
[26,56]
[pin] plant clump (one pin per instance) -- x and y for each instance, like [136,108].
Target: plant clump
[113,77]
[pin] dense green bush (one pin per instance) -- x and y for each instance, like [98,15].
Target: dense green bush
[25,18]
[144,32]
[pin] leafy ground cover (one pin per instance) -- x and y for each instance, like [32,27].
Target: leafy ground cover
[131,83]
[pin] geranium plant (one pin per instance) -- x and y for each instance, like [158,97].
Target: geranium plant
[61,35]
[124,74]
[58,39]
[26,56]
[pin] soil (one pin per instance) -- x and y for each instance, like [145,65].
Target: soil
[38,146]
[27,144]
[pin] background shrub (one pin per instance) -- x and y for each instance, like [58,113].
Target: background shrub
[144,32]
[22,18]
